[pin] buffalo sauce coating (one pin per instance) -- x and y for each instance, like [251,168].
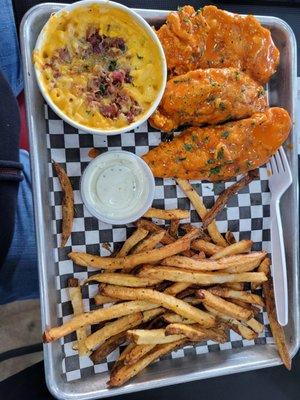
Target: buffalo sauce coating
[220,152]
[209,96]
[212,38]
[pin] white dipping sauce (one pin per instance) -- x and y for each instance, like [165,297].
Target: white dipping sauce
[116,186]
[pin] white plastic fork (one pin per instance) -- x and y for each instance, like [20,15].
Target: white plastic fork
[279,181]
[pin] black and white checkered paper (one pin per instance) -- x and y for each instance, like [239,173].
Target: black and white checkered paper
[246,215]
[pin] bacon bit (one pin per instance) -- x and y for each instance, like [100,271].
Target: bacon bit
[93,153]
[118,76]
[64,55]
[110,111]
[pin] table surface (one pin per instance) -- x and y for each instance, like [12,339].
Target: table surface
[273,383]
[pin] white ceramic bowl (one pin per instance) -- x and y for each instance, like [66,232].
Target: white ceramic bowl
[107,187]
[151,34]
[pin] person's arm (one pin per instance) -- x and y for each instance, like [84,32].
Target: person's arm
[10,168]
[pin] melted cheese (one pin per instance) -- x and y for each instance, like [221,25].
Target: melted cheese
[68,84]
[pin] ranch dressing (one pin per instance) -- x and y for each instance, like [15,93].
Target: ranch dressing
[117,186]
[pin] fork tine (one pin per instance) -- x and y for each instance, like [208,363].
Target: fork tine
[279,162]
[274,165]
[269,167]
[284,158]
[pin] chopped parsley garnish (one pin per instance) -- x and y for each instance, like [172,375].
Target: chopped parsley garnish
[237,75]
[102,89]
[188,147]
[210,98]
[186,19]
[139,57]
[206,139]
[210,161]
[249,164]
[194,138]
[112,65]
[215,170]
[180,159]
[222,106]
[225,134]
[220,154]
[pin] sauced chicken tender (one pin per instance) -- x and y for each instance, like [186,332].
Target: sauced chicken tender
[210,96]
[213,38]
[99,66]
[217,153]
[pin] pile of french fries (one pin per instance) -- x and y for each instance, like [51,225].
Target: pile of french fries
[163,290]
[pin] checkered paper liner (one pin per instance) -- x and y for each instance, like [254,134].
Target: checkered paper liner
[246,215]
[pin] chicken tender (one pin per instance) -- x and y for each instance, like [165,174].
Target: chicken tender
[213,38]
[220,152]
[209,96]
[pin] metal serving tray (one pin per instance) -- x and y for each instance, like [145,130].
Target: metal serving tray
[282,91]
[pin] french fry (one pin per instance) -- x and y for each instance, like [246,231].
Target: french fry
[151,314]
[172,318]
[77,305]
[244,246]
[203,235]
[127,262]
[166,214]
[277,330]
[255,325]
[246,266]
[234,324]
[107,347]
[197,202]
[164,300]
[263,267]
[237,294]
[152,227]
[208,248]
[126,351]
[223,306]
[67,203]
[151,336]
[176,288]
[100,300]
[149,243]
[195,333]
[229,236]
[173,230]
[224,263]
[225,195]
[250,307]
[115,278]
[199,278]
[123,374]
[135,238]
[234,285]
[138,352]
[113,328]
[95,317]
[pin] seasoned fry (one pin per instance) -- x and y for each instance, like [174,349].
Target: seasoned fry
[255,325]
[115,278]
[94,317]
[67,203]
[127,262]
[195,333]
[151,336]
[167,214]
[237,294]
[223,306]
[207,247]
[176,288]
[138,351]
[135,238]
[172,318]
[122,375]
[210,265]
[234,285]
[256,256]
[230,239]
[149,243]
[197,202]
[234,324]
[77,305]
[152,227]
[250,307]
[263,267]
[199,278]
[277,330]
[164,300]
[244,246]
[224,196]
[151,314]
[107,347]
[126,351]
[99,299]
[188,227]
[113,328]
[173,230]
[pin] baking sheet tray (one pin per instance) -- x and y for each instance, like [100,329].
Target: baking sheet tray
[46,133]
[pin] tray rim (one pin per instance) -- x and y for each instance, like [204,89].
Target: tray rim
[53,387]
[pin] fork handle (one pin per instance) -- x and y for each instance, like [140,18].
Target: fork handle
[279,265]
